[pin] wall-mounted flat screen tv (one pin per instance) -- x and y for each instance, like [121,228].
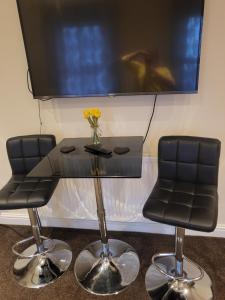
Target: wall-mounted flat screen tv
[79,48]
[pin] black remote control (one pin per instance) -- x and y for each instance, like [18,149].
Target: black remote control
[97,149]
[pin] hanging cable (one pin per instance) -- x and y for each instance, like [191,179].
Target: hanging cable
[151,117]
[39,115]
[39,104]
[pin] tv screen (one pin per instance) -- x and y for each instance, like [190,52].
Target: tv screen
[78,48]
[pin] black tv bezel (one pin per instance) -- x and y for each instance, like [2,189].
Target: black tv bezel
[47,97]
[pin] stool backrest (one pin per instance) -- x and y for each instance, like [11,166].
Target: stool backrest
[25,152]
[189,159]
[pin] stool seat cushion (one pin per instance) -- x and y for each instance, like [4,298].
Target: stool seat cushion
[24,192]
[183,204]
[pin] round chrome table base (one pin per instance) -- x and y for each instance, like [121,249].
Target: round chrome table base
[161,287]
[107,275]
[42,270]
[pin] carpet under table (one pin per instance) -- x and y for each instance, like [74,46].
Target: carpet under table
[208,252]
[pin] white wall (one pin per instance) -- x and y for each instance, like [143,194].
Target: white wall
[202,114]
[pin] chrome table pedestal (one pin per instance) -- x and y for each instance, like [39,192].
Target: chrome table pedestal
[106,267]
[172,276]
[43,262]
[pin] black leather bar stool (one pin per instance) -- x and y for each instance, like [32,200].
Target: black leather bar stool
[46,260]
[185,196]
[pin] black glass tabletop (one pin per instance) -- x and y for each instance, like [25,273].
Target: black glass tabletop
[82,164]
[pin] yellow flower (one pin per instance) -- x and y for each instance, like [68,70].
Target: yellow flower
[86,113]
[96,113]
[92,112]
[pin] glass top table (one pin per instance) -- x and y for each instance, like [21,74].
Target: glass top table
[82,164]
[108,266]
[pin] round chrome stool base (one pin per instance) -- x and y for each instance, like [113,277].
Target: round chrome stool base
[162,287]
[107,275]
[41,270]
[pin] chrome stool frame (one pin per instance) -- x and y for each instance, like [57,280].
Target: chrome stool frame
[106,267]
[43,262]
[174,276]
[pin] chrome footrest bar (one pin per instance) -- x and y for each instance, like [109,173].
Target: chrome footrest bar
[186,280]
[20,243]
[158,255]
[190,280]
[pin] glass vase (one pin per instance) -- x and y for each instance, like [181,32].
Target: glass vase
[96,136]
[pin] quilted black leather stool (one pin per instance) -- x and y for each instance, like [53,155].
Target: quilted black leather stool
[46,260]
[185,196]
